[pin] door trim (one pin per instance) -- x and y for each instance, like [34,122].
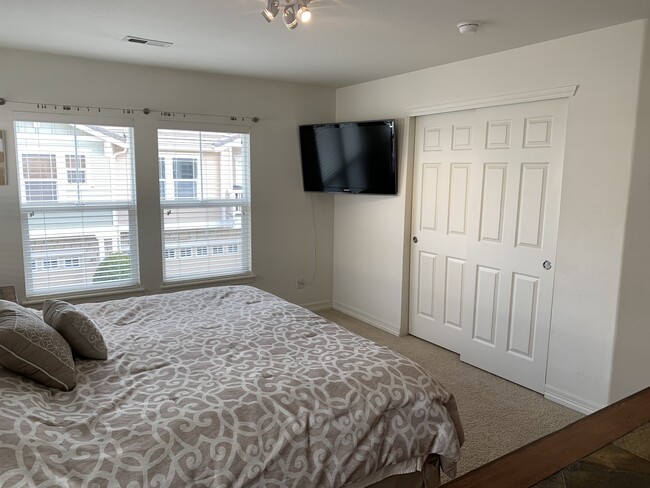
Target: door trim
[494,101]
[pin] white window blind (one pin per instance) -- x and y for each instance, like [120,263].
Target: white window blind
[205,204]
[78,207]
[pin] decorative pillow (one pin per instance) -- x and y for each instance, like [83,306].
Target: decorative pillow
[76,327]
[29,347]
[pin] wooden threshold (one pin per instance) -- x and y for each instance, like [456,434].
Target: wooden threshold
[542,458]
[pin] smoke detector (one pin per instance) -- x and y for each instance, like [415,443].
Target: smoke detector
[470,26]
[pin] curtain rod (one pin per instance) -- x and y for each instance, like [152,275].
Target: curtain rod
[145,111]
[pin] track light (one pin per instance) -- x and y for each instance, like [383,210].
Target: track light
[271,10]
[304,14]
[289,17]
[289,13]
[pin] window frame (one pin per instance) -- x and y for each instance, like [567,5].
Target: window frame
[241,207]
[33,262]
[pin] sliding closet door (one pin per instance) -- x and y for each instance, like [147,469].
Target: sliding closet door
[441,230]
[486,207]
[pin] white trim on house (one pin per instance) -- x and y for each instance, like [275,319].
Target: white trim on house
[366,318]
[571,401]
[494,101]
[317,306]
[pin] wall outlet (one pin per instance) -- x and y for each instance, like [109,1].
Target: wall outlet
[300,283]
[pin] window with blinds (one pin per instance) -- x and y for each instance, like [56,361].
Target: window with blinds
[205,204]
[78,207]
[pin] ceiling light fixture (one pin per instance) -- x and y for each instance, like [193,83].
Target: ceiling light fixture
[271,10]
[289,13]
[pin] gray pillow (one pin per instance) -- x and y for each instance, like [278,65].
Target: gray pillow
[29,347]
[76,327]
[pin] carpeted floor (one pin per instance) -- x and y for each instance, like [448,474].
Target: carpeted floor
[497,415]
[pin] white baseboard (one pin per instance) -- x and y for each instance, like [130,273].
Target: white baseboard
[317,306]
[365,318]
[568,400]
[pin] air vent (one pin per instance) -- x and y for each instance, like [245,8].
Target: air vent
[148,42]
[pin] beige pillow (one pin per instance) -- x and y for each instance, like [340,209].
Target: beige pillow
[29,347]
[76,327]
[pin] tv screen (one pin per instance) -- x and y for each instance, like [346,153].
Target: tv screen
[349,157]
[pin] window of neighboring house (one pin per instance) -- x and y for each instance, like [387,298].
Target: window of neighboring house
[72,262]
[170,253]
[51,264]
[186,252]
[76,168]
[39,176]
[184,178]
[63,219]
[210,204]
[161,177]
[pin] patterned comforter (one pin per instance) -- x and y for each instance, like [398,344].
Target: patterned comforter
[225,387]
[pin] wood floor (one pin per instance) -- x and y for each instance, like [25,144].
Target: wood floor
[610,448]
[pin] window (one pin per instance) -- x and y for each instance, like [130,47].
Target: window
[161,177]
[184,178]
[39,174]
[51,264]
[76,168]
[210,206]
[186,252]
[170,253]
[65,223]
[72,262]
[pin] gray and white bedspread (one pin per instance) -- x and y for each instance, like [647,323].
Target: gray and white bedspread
[224,387]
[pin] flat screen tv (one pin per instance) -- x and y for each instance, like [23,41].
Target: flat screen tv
[349,157]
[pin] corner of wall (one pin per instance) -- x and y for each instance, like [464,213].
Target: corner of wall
[631,361]
[407,155]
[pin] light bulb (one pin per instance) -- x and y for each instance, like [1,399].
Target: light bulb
[304,14]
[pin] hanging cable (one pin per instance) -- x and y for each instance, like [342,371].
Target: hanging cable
[315,229]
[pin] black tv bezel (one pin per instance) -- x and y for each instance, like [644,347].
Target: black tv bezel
[350,191]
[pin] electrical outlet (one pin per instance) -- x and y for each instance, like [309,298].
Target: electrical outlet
[300,283]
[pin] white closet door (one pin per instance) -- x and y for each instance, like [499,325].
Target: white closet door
[485,215]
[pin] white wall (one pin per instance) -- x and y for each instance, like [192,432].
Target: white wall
[632,346]
[283,236]
[369,232]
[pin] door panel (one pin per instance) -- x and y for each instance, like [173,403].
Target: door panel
[442,202]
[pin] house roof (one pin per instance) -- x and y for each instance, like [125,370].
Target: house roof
[347,42]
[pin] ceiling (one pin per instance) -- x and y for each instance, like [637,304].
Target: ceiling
[347,42]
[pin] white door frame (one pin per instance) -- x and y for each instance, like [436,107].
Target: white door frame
[493,101]
[567,91]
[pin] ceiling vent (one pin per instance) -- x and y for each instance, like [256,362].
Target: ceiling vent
[147,42]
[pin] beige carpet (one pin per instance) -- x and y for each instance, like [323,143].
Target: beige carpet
[497,415]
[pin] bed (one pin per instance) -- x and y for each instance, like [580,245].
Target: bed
[228,387]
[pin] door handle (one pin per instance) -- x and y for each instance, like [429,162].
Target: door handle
[415,240]
[547,264]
